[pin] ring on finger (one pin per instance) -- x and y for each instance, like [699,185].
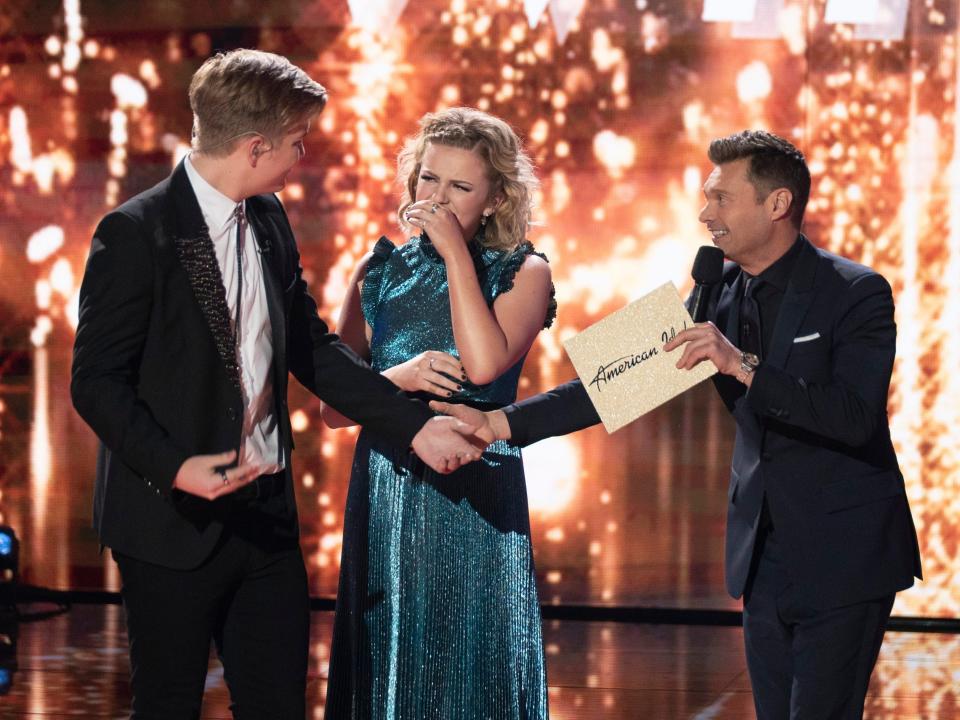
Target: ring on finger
[430,364]
[223,476]
[433,209]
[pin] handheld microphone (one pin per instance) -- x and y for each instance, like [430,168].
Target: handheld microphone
[707,271]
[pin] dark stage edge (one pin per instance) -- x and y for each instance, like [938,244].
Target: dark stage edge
[588,613]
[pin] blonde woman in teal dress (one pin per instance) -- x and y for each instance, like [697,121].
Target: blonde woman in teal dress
[437,610]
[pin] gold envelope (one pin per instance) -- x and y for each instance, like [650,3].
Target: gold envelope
[621,360]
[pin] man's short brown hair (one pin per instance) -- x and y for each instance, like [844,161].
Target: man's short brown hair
[242,92]
[774,163]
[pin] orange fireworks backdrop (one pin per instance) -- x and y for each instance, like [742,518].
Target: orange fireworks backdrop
[616,102]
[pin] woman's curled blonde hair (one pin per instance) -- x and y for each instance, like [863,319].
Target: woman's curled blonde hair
[508,167]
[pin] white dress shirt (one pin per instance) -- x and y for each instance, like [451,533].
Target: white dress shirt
[259,438]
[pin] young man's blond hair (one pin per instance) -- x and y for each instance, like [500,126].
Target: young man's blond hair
[245,92]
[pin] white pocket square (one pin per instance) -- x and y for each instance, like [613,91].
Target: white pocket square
[806,338]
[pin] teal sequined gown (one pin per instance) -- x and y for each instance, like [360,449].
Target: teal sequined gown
[437,611]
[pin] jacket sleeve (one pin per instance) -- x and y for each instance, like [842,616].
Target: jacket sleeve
[115,305]
[560,411]
[334,373]
[851,405]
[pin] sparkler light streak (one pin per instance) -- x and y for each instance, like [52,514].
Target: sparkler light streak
[377,17]
[884,193]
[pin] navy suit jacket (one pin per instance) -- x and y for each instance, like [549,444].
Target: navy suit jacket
[155,372]
[812,434]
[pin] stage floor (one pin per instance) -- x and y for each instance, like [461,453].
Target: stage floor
[75,665]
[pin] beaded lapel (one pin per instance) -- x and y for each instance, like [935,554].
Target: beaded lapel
[200,261]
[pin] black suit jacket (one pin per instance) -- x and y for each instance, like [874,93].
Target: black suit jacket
[812,434]
[156,377]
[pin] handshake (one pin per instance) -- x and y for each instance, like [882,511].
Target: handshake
[458,436]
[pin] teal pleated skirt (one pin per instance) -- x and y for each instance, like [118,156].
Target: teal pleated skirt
[437,610]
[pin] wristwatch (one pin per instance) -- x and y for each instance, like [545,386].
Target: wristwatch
[748,364]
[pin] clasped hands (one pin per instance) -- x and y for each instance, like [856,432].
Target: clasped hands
[444,442]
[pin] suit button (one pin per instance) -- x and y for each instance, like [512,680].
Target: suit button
[766,457]
[231,413]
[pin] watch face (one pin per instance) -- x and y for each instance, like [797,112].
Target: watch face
[749,361]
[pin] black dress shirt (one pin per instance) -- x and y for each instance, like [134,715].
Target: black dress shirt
[769,294]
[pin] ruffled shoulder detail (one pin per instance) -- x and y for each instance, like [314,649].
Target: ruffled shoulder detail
[510,266]
[373,279]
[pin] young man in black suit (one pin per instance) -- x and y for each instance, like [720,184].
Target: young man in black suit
[819,532]
[192,312]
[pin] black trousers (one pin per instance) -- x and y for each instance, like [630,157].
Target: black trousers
[804,662]
[250,597]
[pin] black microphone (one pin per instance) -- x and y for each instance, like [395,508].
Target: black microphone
[707,271]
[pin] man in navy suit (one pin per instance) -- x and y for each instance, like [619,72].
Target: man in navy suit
[819,533]
[193,311]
